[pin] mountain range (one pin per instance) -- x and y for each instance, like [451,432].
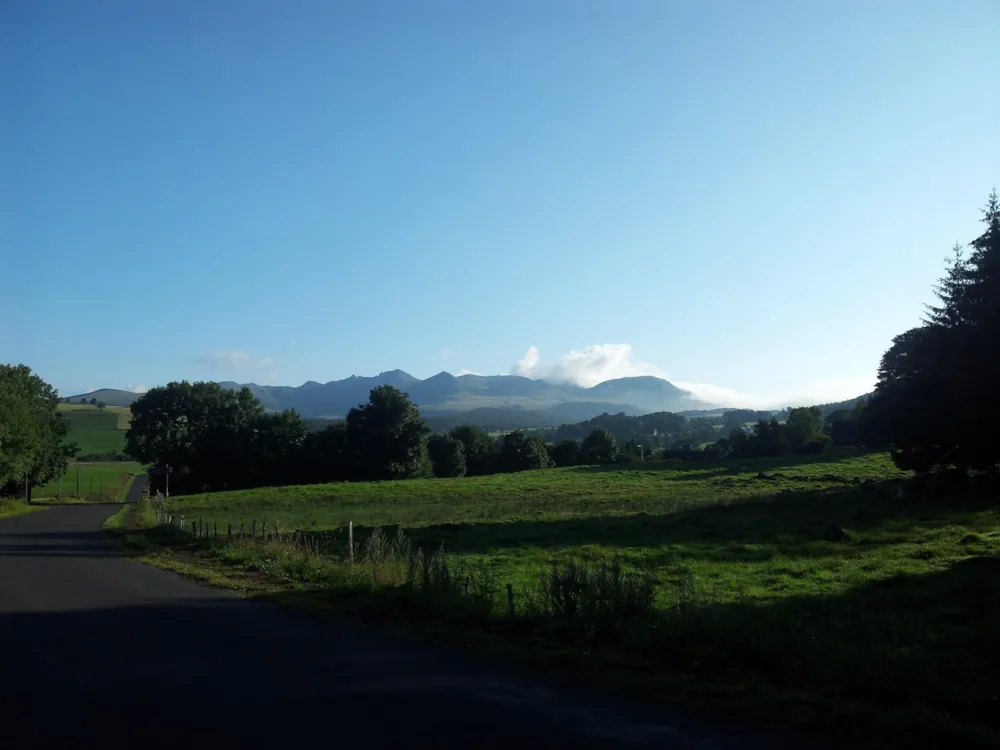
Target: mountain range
[444,394]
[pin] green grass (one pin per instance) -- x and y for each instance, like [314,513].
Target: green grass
[97,430]
[11,508]
[888,631]
[99,483]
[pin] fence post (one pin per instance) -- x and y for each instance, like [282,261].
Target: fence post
[241,530]
[263,529]
[510,599]
[229,532]
[201,528]
[194,528]
[350,541]
[215,529]
[253,529]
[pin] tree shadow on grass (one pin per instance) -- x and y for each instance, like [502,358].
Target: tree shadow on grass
[918,652]
[909,660]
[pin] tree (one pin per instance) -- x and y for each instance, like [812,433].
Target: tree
[479,448]
[33,446]
[599,447]
[564,453]
[936,383]
[521,452]
[206,432]
[101,405]
[274,448]
[803,426]
[387,435]
[83,401]
[93,402]
[447,456]
[324,456]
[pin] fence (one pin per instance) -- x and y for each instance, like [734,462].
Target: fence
[431,570]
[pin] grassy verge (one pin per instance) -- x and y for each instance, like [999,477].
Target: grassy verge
[811,595]
[12,508]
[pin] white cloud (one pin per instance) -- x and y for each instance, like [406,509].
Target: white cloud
[468,372]
[586,367]
[136,388]
[599,362]
[822,392]
[528,367]
[234,360]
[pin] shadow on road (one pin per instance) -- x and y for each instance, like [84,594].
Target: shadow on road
[227,671]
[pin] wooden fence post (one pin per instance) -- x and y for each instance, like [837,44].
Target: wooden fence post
[241,530]
[350,541]
[510,599]
[253,529]
[194,528]
[229,531]
[215,529]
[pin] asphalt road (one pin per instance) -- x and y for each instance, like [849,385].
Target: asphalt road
[95,647]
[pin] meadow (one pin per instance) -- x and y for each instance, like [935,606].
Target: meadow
[99,482]
[97,430]
[831,592]
[93,431]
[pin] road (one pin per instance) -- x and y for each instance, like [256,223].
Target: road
[95,647]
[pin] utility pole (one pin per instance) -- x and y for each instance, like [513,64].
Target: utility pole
[167,478]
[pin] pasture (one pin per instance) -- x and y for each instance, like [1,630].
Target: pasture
[104,482]
[810,592]
[97,430]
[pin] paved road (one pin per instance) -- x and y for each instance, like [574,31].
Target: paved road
[97,647]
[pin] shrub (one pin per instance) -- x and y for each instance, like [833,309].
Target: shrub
[601,599]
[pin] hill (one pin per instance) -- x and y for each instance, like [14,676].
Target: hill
[109,396]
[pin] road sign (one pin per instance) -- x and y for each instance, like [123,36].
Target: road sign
[160,470]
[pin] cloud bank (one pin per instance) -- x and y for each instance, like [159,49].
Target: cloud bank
[136,388]
[586,367]
[599,362]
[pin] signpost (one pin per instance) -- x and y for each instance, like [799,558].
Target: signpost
[166,471]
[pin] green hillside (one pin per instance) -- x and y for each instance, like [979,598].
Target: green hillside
[96,430]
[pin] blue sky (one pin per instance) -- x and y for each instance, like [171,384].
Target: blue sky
[751,196]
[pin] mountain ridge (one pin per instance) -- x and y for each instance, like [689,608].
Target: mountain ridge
[445,393]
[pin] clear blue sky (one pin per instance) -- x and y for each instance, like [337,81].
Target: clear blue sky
[752,195]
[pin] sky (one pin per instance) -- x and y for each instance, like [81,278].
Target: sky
[747,198]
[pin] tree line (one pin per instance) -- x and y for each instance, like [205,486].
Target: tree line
[33,445]
[217,439]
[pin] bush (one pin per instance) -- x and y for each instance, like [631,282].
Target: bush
[601,600]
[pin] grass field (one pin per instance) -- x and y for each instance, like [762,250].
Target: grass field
[97,430]
[99,482]
[794,593]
